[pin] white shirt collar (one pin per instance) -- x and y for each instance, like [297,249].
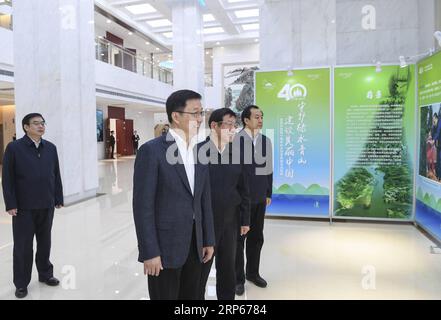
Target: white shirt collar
[248,131]
[181,141]
[187,156]
[37,143]
[212,141]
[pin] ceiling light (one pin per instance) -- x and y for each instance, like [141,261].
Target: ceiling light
[157,49]
[130,33]
[217,43]
[213,30]
[147,43]
[437,36]
[247,13]
[141,9]
[109,21]
[403,63]
[208,17]
[256,40]
[159,23]
[250,26]
[378,67]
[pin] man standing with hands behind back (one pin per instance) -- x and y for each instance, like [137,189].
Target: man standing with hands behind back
[256,149]
[32,189]
[172,204]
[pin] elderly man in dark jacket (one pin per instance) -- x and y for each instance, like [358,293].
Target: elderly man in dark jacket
[32,189]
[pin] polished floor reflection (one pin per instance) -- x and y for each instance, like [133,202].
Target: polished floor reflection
[94,254]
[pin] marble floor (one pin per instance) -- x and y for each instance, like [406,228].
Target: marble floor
[94,253]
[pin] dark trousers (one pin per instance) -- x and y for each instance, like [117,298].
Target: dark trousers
[135,148]
[25,225]
[225,256]
[112,150]
[181,283]
[254,243]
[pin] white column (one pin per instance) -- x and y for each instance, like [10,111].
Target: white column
[55,75]
[188,45]
[297,33]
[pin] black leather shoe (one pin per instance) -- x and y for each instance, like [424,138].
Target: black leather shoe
[20,293]
[258,281]
[52,282]
[240,289]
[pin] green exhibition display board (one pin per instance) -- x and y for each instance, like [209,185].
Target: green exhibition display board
[296,108]
[428,195]
[374,142]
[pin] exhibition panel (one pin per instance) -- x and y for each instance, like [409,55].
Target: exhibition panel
[296,106]
[374,142]
[428,196]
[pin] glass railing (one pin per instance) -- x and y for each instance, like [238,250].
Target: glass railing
[5,19]
[118,56]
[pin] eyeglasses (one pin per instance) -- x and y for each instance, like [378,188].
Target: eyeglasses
[194,114]
[229,124]
[38,123]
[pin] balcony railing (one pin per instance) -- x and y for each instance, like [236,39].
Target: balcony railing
[118,56]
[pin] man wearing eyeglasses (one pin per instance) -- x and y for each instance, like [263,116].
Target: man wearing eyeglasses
[172,204]
[32,189]
[230,200]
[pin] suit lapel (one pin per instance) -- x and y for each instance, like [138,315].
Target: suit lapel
[197,172]
[179,167]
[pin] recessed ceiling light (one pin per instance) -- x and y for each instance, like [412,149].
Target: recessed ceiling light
[250,26]
[130,33]
[207,52]
[159,23]
[217,43]
[147,43]
[213,30]
[140,8]
[256,40]
[208,17]
[247,13]
[109,21]
[157,49]
[211,57]
[168,34]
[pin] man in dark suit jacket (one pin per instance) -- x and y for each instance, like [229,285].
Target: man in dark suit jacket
[112,143]
[256,150]
[172,204]
[32,189]
[230,200]
[135,140]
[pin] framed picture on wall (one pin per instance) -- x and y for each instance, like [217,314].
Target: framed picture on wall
[99,125]
[238,85]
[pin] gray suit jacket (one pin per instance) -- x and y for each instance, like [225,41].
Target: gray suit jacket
[164,207]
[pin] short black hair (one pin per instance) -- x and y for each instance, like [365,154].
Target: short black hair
[246,113]
[27,119]
[112,131]
[219,114]
[178,100]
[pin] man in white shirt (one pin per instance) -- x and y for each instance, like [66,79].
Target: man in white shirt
[172,204]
